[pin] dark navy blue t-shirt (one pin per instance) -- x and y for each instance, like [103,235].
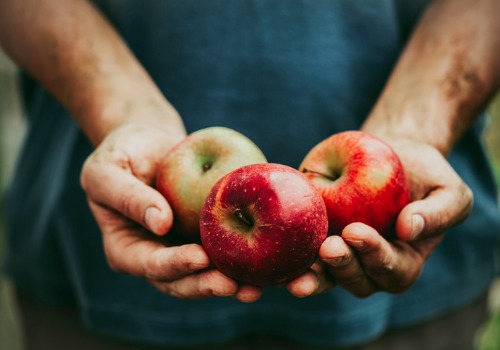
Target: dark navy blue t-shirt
[285,73]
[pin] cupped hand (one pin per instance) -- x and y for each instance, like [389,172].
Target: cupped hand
[363,262]
[134,218]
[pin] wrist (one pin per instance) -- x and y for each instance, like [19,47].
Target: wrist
[122,109]
[435,132]
[444,78]
[429,116]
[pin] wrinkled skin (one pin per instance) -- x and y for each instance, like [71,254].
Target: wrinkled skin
[443,79]
[118,179]
[363,262]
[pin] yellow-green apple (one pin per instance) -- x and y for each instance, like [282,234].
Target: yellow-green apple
[189,171]
[361,179]
[263,224]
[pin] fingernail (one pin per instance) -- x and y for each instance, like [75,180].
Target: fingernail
[356,243]
[417,225]
[151,218]
[337,261]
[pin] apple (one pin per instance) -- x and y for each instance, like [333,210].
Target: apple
[263,224]
[361,179]
[189,171]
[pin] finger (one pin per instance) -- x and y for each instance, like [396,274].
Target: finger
[441,209]
[133,251]
[392,267]
[116,188]
[314,281]
[199,285]
[344,267]
[147,259]
[177,271]
[248,294]
[304,285]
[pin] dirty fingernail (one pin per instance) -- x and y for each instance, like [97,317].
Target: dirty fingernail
[356,243]
[337,261]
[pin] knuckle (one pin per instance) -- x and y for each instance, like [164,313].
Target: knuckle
[154,267]
[175,288]
[467,192]
[113,261]
[126,201]
[166,264]
[467,197]
[351,282]
[174,293]
[384,268]
[381,264]
[442,222]
[169,289]
[359,286]
[204,283]
[126,205]
[92,166]
[188,257]
[87,169]
[182,253]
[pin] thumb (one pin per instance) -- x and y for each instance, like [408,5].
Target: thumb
[117,189]
[441,209]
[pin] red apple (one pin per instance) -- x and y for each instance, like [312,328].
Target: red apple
[192,167]
[263,224]
[360,178]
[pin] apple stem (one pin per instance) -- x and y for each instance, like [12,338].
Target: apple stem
[330,177]
[243,218]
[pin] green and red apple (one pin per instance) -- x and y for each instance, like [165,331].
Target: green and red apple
[190,170]
[360,178]
[263,224]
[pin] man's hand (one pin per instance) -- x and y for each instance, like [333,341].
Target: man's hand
[80,58]
[363,262]
[443,79]
[134,217]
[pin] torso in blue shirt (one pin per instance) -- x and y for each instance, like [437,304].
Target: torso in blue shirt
[285,73]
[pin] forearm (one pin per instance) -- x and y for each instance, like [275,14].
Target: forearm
[446,75]
[76,55]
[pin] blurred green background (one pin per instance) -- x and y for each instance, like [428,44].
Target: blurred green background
[11,133]
[489,337]
[492,137]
